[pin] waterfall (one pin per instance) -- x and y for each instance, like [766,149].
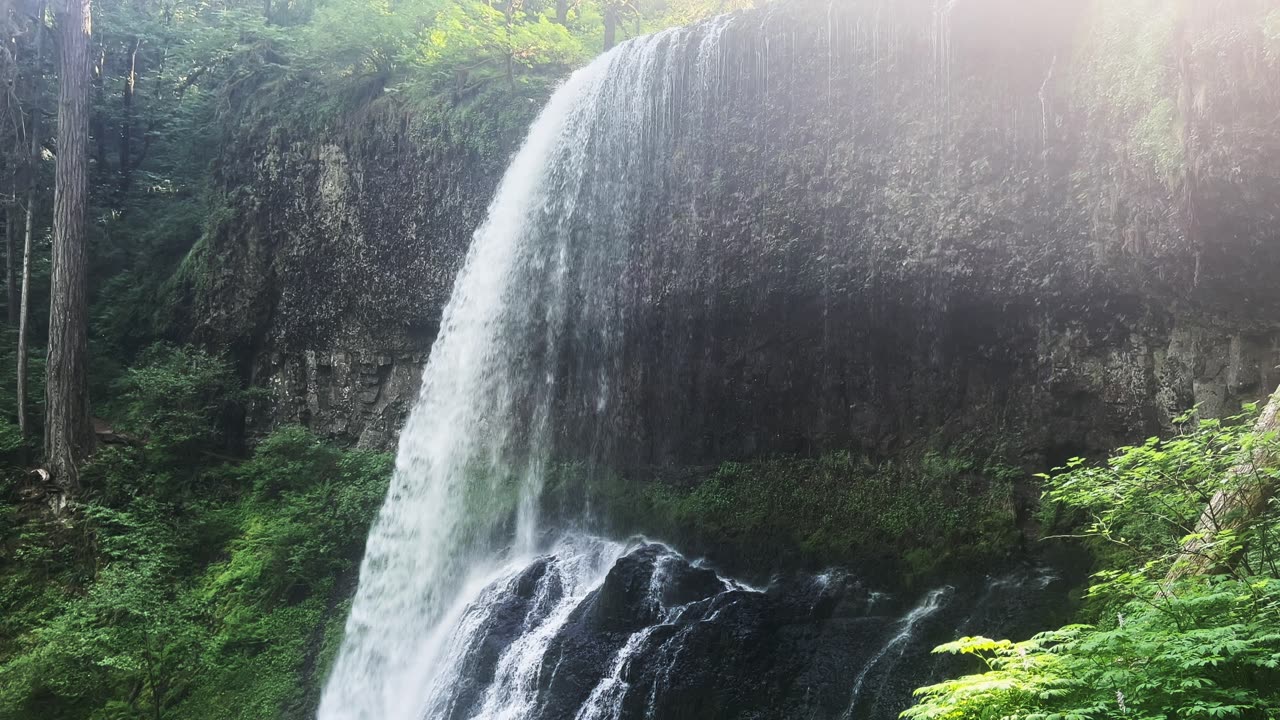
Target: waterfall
[462,507]
[471,605]
[602,630]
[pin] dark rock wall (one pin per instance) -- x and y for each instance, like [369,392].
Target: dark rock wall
[998,221]
[334,261]
[1043,222]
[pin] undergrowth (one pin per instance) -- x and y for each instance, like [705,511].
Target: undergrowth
[184,582]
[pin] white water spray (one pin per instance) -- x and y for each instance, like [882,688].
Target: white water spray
[462,507]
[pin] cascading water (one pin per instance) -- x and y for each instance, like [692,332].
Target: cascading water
[473,452]
[469,606]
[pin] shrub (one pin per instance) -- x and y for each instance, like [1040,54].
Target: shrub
[1200,647]
[178,401]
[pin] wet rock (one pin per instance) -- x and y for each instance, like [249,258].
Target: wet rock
[518,608]
[345,252]
[806,646]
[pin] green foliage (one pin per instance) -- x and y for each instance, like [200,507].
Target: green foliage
[11,442]
[309,502]
[1206,649]
[914,517]
[172,414]
[432,55]
[684,12]
[1139,509]
[176,399]
[274,597]
[10,438]
[1198,647]
[185,584]
[1128,82]
[476,36]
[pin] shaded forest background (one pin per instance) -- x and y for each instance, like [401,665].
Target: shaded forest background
[190,575]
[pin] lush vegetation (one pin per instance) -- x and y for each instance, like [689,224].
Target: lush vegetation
[1153,642]
[195,576]
[182,583]
[907,520]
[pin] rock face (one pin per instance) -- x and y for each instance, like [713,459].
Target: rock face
[898,220]
[1046,223]
[332,263]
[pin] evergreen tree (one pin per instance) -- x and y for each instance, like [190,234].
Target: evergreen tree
[68,432]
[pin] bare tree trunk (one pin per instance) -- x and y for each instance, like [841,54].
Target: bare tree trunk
[68,435]
[1243,496]
[562,12]
[510,61]
[33,160]
[98,127]
[24,313]
[11,204]
[10,259]
[126,122]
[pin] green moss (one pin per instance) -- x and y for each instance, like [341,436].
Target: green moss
[1126,79]
[331,640]
[911,518]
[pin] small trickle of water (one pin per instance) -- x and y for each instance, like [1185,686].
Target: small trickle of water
[932,603]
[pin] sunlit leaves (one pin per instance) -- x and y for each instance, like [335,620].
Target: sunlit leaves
[1202,647]
[1143,504]
[1205,652]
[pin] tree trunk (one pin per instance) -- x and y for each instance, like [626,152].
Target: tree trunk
[610,25]
[24,312]
[126,121]
[68,435]
[510,62]
[33,160]
[11,205]
[10,259]
[562,12]
[98,127]
[1243,496]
